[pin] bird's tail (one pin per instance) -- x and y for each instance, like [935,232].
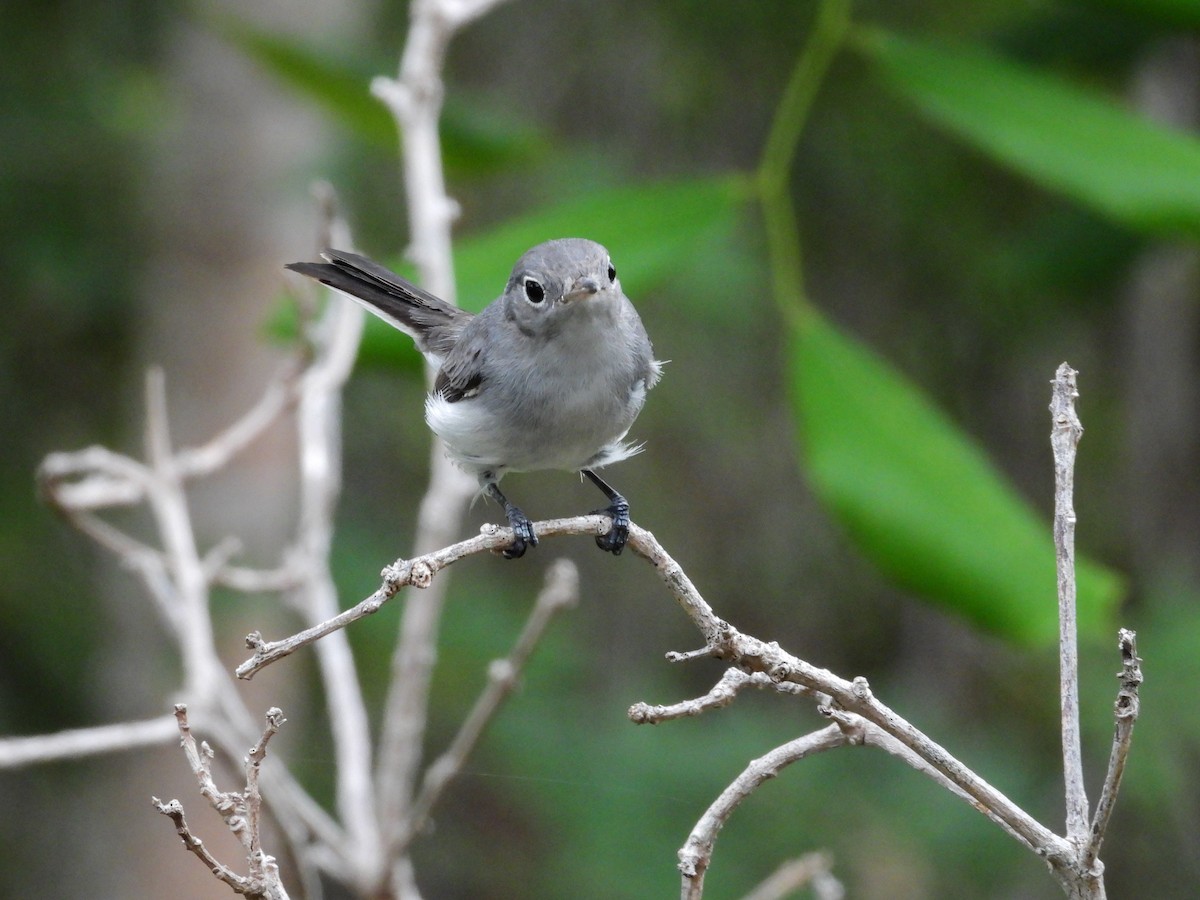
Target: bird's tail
[433,323]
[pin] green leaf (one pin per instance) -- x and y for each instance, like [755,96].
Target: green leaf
[921,500]
[476,140]
[1063,137]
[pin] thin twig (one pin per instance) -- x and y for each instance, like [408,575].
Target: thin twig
[309,827]
[560,591]
[1064,439]
[723,693]
[81,742]
[174,810]
[335,339]
[813,870]
[752,654]
[280,395]
[92,478]
[241,811]
[228,804]
[418,572]
[1126,711]
[696,853]
[169,505]
[282,579]
[262,867]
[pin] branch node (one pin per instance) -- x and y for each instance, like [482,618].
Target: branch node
[780,671]
[861,689]
[420,574]
[676,656]
[852,726]
[502,673]
[395,576]
[642,713]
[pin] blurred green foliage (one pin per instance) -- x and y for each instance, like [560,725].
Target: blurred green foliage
[940,275]
[1059,135]
[477,142]
[923,502]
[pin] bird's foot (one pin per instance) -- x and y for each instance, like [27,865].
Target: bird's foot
[523,534]
[618,534]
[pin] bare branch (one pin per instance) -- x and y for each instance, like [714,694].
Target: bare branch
[174,810]
[241,812]
[560,591]
[857,730]
[724,641]
[316,837]
[752,654]
[861,732]
[229,805]
[335,339]
[696,853]
[178,578]
[812,869]
[418,572]
[1126,710]
[415,100]
[80,742]
[258,581]
[723,693]
[1064,438]
[862,719]
[279,396]
[263,868]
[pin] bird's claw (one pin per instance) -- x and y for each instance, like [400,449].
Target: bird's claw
[614,541]
[523,534]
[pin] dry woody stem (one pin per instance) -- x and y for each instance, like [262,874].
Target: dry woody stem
[240,810]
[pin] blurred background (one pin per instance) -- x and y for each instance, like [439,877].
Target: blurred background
[156,167]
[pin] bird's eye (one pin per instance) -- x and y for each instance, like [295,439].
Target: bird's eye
[534,290]
[612,273]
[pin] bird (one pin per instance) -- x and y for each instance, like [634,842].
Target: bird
[549,375]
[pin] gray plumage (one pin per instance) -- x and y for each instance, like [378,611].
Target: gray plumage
[550,375]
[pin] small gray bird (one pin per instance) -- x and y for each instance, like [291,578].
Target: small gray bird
[550,375]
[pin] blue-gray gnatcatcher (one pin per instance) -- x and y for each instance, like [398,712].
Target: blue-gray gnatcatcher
[550,375]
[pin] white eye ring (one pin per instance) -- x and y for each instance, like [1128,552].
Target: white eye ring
[534,292]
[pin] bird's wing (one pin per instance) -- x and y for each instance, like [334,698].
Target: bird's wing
[462,370]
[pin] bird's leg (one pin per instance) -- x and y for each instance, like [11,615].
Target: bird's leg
[618,511]
[523,535]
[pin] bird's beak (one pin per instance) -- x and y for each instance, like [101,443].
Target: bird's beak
[582,289]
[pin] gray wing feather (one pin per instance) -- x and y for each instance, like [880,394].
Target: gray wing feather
[461,372]
[432,322]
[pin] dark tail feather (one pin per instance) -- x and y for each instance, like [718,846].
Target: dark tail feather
[433,322]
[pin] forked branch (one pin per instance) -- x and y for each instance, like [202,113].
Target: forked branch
[240,810]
